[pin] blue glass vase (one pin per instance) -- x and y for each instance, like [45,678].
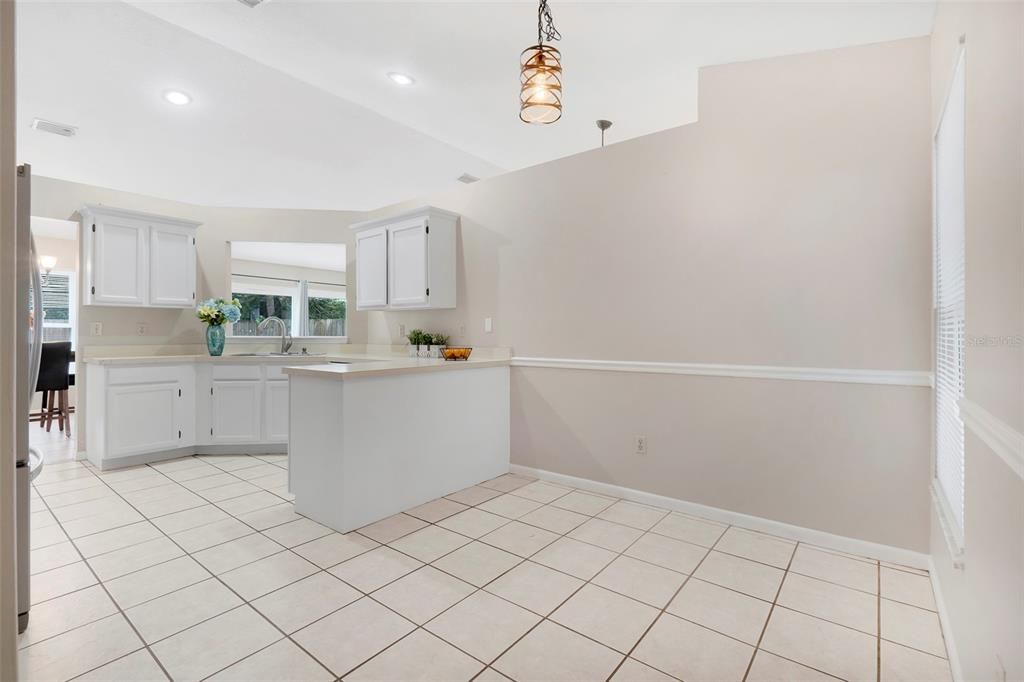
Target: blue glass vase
[215,339]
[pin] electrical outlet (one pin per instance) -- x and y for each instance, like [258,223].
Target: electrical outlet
[488,325]
[140,329]
[401,330]
[462,330]
[97,329]
[640,443]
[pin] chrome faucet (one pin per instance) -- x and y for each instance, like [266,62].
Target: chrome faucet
[286,338]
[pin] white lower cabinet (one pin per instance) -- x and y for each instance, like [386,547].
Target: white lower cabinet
[236,411]
[275,407]
[143,417]
[143,413]
[133,411]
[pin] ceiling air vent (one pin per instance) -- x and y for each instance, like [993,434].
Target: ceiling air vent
[252,3]
[52,127]
[467,179]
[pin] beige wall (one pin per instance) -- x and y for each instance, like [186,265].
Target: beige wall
[176,331]
[985,600]
[251,267]
[790,226]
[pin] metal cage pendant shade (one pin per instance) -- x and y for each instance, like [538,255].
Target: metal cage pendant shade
[540,92]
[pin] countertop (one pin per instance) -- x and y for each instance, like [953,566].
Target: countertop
[397,365]
[324,366]
[241,359]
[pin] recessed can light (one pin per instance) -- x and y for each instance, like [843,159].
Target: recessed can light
[177,97]
[401,78]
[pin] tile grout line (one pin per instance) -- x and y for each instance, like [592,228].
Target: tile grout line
[771,610]
[119,611]
[543,618]
[663,610]
[507,521]
[213,576]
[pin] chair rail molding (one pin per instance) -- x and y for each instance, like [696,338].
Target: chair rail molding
[829,374]
[1002,438]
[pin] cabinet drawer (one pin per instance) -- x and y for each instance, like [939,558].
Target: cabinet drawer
[276,372]
[154,374]
[236,372]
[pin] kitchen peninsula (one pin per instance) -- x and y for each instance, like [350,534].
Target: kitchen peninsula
[370,439]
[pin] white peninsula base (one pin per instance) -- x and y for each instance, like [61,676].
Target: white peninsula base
[366,444]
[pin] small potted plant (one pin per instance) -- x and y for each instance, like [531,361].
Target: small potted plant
[216,312]
[415,339]
[437,342]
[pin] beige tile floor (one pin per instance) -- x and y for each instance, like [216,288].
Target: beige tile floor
[199,568]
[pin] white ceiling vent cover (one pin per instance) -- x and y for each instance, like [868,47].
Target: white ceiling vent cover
[252,3]
[467,179]
[53,127]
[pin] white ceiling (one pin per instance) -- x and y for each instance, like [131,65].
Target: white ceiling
[293,107]
[296,254]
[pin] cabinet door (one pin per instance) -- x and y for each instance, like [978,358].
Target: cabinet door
[119,267]
[372,269]
[236,411]
[276,411]
[143,418]
[172,266]
[407,264]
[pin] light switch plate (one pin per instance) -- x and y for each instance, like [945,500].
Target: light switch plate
[488,325]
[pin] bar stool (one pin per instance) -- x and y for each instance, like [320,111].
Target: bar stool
[54,382]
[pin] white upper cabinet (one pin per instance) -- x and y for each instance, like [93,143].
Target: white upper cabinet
[406,261]
[172,265]
[138,259]
[118,261]
[372,269]
[407,264]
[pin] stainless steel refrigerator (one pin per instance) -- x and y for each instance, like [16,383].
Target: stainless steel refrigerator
[29,325]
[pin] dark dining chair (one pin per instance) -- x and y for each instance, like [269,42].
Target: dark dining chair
[54,381]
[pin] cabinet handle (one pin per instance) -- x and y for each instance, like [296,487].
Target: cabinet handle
[179,434]
[179,395]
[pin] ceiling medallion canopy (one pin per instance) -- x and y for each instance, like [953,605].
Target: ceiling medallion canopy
[540,73]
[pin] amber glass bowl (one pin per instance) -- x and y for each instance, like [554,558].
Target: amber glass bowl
[456,352]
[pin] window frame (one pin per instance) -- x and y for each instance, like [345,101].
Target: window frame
[300,306]
[952,524]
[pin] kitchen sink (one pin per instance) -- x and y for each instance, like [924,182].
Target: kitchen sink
[276,355]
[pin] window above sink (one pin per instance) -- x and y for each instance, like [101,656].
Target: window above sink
[302,283]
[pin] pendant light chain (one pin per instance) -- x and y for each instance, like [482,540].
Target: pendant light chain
[546,24]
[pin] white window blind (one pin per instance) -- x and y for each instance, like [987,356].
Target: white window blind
[949,302]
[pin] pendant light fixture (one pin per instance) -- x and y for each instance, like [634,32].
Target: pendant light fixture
[540,73]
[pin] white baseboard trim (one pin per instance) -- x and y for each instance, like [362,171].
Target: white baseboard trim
[947,631]
[829,374]
[896,555]
[1002,438]
[188,451]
